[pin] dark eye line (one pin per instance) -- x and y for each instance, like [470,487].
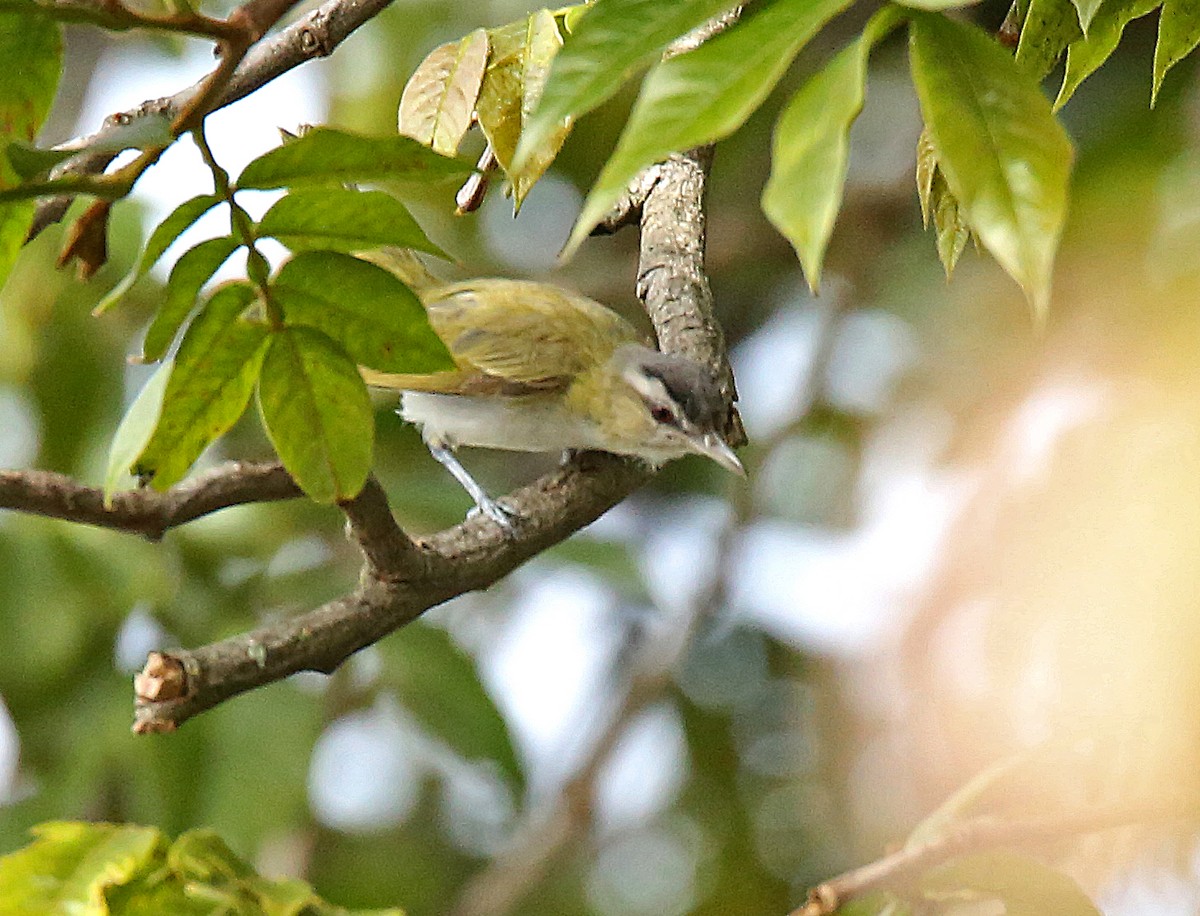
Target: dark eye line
[664,415]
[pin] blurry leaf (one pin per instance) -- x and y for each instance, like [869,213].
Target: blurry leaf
[926,168]
[1025,886]
[936,5]
[963,801]
[377,319]
[1178,35]
[317,413]
[344,219]
[1050,25]
[950,229]
[194,268]
[439,99]
[1006,159]
[166,232]
[1085,55]
[31,48]
[572,14]
[214,374]
[87,240]
[333,157]
[439,684]
[521,55]
[135,429]
[1087,12]
[811,149]
[704,95]
[875,905]
[608,46]
[29,161]
[69,866]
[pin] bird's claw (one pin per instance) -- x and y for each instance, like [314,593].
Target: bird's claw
[506,519]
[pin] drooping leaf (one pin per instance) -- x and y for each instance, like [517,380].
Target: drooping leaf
[1087,12]
[522,53]
[439,99]
[811,149]
[194,268]
[1178,35]
[374,317]
[608,46]
[1006,159]
[330,156]
[1085,55]
[135,429]
[926,168]
[317,412]
[950,228]
[704,95]
[211,382]
[31,48]
[1050,25]
[460,712]
[343,219]
[164,234]
[1025,886]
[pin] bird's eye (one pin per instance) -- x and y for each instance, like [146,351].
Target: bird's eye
[663,415]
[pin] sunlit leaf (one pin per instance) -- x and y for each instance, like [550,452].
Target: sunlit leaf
[608,46]
[330,156]
[1025,886]
[704,95]
[343,219]
[1178,35]
[1085,55]
[1087,12]
[1006,159]
[210,384]
[572,14]
[31,48]
[439,99]
[164,234]
[377,319]
[194,268]
[135,429]
[1050,25]
[317,413]
[811,149]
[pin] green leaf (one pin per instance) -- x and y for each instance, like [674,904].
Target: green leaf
[214,374]
[335,157]
[344,219]
[439,99]
[164,234]
[31,48]
[1050,25]
[460,712]
[951,231]
[194,268]
[936,5]
[378,320]
[704,95]
[811,149]
[317,413]
[522,52]
[1087,12]
[69,867]
[135,430]
[1024,885]
[29,161]
[1085,55]
[608,46]
[1006,159]
[1178,35]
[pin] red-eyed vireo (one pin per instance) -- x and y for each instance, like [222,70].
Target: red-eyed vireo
[541,369]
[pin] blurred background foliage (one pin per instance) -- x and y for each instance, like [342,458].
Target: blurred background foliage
[959,541]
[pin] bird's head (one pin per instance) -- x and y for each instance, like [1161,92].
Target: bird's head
[672,407]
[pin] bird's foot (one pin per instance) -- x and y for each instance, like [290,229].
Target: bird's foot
[505,518]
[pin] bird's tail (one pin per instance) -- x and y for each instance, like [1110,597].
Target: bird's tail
[437,382]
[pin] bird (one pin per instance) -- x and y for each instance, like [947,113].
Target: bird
[539,368]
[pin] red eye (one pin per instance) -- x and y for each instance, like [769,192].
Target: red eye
[663,415]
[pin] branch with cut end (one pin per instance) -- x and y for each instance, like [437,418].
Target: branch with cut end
[980,834]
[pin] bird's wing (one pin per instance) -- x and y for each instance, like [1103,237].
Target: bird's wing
[529,334]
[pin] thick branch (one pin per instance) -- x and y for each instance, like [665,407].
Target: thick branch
[899,868]
[146,512]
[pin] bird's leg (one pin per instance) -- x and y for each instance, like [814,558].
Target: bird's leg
[484,503]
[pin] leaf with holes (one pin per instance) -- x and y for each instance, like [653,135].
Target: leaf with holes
[317,413]
[194,268]
[1007,161]
[704,95]
[345,220]
[210,384]
[439,99]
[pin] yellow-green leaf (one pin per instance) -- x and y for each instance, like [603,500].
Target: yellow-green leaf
[1178,35]
[439,99]
[317,413]
[135,429]
[1006,159]
[194,268]
[1049,26]
[1085,55]
[1087,12]
[1024,885]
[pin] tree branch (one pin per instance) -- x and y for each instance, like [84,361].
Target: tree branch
[976,835]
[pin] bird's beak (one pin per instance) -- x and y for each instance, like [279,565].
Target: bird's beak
[710,445]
